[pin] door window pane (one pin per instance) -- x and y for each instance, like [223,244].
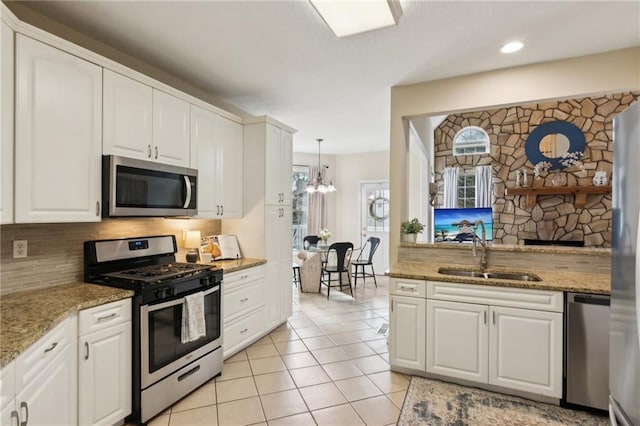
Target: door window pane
[300,205]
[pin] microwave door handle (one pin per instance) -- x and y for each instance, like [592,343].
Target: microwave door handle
[187,184]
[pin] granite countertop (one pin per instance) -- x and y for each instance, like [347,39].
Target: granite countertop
[237,264]
[549,280]
[26,316]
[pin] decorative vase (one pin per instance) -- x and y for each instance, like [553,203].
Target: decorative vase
[410,238]
[323,243]
[558,179]
[600,178]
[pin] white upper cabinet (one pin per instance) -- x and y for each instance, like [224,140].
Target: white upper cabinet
[170,129]
[6,126]
[216,151]
[279,146]
[145,123]
[58,135]
[128,111]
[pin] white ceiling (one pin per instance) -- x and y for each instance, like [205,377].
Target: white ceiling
[279,58]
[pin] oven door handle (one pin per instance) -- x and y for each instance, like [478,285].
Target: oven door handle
[187,184]
[178,301]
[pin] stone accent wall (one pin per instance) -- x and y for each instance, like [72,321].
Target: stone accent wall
[553,217]
[55,250]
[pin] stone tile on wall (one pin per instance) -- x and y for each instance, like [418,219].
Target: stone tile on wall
[554,217]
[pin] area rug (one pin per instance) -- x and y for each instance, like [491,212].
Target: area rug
[432,402]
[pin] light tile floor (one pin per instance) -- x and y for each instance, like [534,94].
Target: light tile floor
[326,366]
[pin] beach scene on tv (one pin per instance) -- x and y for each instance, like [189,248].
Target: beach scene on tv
[446,231]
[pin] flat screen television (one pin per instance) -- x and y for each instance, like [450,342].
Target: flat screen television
[445,231]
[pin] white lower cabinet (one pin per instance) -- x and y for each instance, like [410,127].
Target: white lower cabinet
[457,340]
[243,308]
[104,364]
[39,387]
[525,350]
[407,325]
[493,342]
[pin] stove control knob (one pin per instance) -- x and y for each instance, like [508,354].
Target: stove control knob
[204,281]
[159,294]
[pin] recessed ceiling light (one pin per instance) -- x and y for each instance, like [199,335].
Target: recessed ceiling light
[353,17]
[511,47]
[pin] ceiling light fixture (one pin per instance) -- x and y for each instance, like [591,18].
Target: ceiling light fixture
[317,184]
[512,47]
[353,17]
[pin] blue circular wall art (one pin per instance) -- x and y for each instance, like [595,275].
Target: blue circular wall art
[570,131]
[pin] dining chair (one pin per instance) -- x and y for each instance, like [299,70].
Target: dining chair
[310,240]
[338,261]
[368,250]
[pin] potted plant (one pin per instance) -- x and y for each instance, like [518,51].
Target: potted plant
[410,229]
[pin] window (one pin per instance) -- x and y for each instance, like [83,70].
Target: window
[466,190]
[300,205]
[471,140]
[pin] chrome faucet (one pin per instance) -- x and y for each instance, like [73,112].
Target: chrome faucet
[482,240]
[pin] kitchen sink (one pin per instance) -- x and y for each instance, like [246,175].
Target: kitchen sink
[514,276]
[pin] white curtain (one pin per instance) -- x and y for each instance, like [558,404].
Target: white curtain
[450,187]
[315,221]
[483,186]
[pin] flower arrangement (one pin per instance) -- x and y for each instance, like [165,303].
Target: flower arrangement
[324,234]
[541,168]
[412,226]
[570,159]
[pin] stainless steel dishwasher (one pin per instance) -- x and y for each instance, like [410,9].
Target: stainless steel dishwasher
[587,350]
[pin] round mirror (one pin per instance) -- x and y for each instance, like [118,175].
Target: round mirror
[550,141]
[554,145]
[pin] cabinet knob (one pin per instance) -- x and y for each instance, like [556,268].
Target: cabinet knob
[156,152]
[14,415]
[149,151]
[86,350]
[52,347]
[97,208]
[222,210]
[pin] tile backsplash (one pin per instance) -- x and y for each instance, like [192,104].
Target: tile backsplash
[55,253]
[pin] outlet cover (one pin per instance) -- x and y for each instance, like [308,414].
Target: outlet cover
[19,249]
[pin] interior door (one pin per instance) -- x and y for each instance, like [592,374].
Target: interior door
[374,221]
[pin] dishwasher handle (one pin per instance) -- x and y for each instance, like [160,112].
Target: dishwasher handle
[589,299]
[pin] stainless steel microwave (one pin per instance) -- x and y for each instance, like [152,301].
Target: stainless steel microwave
[142,188]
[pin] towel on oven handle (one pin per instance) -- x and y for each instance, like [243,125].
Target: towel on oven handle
[193,322]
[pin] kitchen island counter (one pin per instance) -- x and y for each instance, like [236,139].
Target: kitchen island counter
[578,282]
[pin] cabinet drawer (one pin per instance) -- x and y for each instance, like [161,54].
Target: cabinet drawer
[7,383]
[243,329]
[39,355]
[243,297]
[407,287]
[243,276]
[541,300]
[104,316]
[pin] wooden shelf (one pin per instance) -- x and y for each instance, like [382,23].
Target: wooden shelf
[580,192]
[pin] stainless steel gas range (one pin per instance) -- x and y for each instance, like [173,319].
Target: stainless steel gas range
[164,368]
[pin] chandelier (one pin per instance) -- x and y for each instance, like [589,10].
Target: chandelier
[317,184]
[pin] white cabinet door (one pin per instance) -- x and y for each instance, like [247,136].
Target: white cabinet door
[104,370]
[457,339]
[230,167]
[204,157]
[216,151]
[286,166]
[127,115]
[6,126]
[279,145]
[170,129]
[278,255]
[525,350]
[58,135]
[407,332]
[51,397]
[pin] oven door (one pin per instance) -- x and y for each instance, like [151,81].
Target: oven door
[162,351]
